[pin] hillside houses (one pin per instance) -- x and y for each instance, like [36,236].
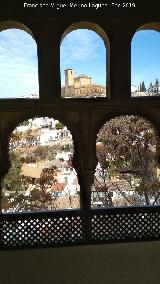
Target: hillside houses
[154,88]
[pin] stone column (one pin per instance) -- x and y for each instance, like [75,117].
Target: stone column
[120,58]
[49,65]
[4,167]
[84,160]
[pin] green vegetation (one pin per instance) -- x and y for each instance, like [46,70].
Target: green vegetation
[12,180]
[59,125]
[25,149]
[128,147]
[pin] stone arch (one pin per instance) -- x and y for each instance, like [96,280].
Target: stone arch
[9,24]
[103,36]
[150,32]
[127,147]
[21,67]
[65,184]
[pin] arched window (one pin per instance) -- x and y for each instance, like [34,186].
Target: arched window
[145,63]
[127,172]
[18,65]
[41,176]
[75,227]
[83,62]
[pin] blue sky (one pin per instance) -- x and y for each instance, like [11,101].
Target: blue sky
[18,64]
[82,50]
[145,57]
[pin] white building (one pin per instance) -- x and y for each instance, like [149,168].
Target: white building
[133,88]
[43,122]
[154,88]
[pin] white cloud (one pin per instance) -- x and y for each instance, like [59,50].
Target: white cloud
[18,64]
[147,74]
[146,34]
[85,52]
[80,45]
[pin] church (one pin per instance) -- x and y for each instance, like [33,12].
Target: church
[81,86]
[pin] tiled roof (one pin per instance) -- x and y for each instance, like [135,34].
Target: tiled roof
[30,171]
[58,186]
[82,76]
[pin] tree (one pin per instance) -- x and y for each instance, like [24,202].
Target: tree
[16,136]
[31,135]
[37,200]
[41,152]
[143,88]
[12,180]
[127,146]
[59,125]
[48,177]
[140,87]
[157,82]
[25,123]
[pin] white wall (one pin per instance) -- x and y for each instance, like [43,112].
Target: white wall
[132,263]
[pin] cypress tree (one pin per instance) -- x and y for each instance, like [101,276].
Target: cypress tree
[140,87]
[143,87]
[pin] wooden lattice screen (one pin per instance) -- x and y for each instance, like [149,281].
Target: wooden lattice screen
[79,227]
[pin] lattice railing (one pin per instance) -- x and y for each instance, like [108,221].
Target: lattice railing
[78,227]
